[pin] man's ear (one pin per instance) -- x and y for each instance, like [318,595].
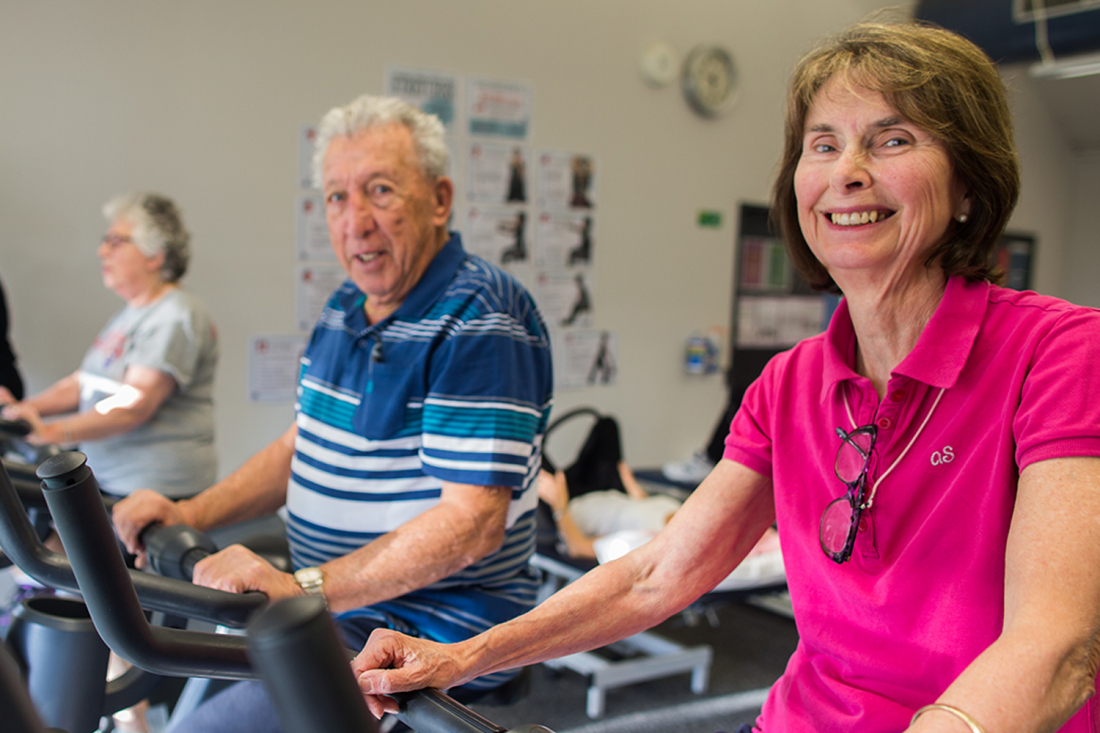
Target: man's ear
[443,194]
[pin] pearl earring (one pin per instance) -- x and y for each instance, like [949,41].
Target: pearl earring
[962,218]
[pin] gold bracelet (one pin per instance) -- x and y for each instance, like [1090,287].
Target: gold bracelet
[970,722]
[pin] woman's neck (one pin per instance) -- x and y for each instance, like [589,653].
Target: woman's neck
[889,320]
[157,290]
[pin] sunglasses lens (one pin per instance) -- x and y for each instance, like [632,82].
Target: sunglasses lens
[836,522]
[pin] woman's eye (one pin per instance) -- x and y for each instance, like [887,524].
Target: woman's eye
[895,142]
[822,148]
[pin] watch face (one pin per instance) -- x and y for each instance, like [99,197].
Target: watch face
[710,80]
[309,577]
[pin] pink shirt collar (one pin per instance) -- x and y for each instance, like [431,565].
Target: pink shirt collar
[940,353]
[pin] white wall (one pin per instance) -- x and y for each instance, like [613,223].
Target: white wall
[203,100]
[1081,264]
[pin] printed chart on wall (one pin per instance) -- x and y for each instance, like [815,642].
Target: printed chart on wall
[434,92]
[273,363]
[585,357]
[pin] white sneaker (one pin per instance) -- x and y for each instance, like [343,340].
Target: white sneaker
[691,470]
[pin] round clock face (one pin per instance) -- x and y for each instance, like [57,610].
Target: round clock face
[710,80]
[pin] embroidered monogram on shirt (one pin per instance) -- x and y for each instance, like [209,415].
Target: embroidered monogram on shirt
[945,456]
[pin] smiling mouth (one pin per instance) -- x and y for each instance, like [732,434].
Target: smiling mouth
[367,257]
[856,218]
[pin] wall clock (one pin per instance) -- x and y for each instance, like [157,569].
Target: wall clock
[709,80]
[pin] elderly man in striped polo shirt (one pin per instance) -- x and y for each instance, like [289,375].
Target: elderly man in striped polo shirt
[409,474]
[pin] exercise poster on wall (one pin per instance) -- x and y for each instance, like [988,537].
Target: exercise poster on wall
[497,173]
[497,108]
[313,242]
[585,357]
[566,180]
[273,363]
[316,282]
[500,235]
[433,92]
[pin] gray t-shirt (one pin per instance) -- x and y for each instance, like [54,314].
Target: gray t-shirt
[173,452]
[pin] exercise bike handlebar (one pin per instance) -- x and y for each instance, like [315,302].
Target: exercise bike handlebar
[294,645]
[23,547]
[108,589]
[73,498]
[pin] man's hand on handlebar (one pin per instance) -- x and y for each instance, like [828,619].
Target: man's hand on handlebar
[139,510]
[392,662]
[237,569]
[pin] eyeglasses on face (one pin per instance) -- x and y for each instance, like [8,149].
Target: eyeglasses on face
[840,520]
[114,240]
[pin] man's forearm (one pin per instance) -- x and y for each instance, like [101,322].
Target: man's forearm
[438,543]
[255,489]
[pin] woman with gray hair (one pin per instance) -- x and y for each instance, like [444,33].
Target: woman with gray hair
[141,404]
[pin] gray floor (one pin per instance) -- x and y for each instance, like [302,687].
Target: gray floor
[751,648]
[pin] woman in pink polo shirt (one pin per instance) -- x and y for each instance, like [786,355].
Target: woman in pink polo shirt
[932,459]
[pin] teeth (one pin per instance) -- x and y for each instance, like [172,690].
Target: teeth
[367,257]
[855,218]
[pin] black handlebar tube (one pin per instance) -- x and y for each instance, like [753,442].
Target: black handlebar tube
[21,544]
[78,513]
[294,644]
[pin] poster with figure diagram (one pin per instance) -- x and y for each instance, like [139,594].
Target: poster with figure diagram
[566,240]
[565,180]
[316,282]
[564,298]
[501,235]
[496,173]
[313,241]
[585,357]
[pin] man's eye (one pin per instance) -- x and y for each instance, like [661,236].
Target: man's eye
[334,198]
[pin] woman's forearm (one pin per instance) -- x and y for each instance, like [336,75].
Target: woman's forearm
[59,398]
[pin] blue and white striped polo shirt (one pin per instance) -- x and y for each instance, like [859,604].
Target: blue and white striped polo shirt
[455,386]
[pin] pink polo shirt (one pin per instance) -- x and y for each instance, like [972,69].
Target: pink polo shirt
[923,593]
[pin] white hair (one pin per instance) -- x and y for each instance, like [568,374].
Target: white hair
[156,227]
[368,112]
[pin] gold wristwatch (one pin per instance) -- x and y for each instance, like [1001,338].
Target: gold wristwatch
[312,581]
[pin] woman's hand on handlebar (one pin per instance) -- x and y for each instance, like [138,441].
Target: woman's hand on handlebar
[237,569]
[6,397]
[392,662]
[136,512]
[23,411]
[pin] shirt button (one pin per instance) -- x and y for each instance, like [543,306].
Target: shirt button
[863,525]
[898,395]
[885,423]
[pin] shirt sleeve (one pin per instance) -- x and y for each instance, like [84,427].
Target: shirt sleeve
[488,398]
[750,438]
[1059,412]
[173,344]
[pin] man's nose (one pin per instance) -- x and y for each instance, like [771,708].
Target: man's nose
[360,219]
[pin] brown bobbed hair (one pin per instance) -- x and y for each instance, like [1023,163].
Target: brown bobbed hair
[945,85]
